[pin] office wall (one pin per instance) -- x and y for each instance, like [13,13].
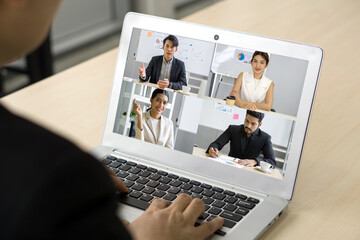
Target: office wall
[81,21]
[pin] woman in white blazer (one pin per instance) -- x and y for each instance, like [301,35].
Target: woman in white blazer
[253,90]
[151,126]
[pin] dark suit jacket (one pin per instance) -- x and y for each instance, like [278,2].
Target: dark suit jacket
[259,142]
[50,189]
[177,72]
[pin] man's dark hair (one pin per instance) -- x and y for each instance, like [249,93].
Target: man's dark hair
[172,38]
[257,115]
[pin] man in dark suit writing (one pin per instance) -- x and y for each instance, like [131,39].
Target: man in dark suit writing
[247,141]
[165,70]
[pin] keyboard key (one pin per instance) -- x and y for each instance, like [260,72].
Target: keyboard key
[163,187]
[195,195]
[248,205]
[153,184]
[211,217]
[133,202]
[228,223]
[115,164]
[186,192]
[165,180]
[115,170]
[214,211]
[220,232]
[155,176]
[132,177]
[206,207]
[148,190]
[170,197]
[159,193]
[111,157]
[135,194]
[196,183]
[242,211]
[146,198]
[143,167]
[163,173]
[219,196]
[230,199]
[131,163]
[145,174]
[231,216]
[207,200]
[175,183]
[124,167]
[174,190]
[208,193]
[120,160]
[241,196]
[173,176]
[186,186]
[184,179]
[204,216]
[230,207]
[122,174]
[196,189]
[207,186]
[106,161]
[138,187]
[219,190]
[129,183]
[153,170]
[230,193]
[135,170]
[142,180]
[254,200]
[218,204]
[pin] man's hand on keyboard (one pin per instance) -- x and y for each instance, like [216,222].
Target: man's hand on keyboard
[161,221]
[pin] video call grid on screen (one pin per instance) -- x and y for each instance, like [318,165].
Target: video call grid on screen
[208,118]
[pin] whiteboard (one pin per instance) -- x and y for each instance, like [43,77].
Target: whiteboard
[231,61]
[197,55]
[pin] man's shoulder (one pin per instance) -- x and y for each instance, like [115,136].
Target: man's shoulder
[157,57]
[263,134]
[178,61]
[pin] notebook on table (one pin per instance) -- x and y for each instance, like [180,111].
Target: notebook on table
[249,199]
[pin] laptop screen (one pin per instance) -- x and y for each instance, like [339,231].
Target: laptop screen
[210,85]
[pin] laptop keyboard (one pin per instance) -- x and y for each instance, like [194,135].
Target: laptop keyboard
[146,183]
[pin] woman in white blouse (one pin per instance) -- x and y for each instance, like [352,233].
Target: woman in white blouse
[253,90]
[151,126]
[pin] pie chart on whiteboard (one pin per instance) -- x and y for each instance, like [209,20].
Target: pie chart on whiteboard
[241,56]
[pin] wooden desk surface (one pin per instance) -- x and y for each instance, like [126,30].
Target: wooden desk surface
[325,203]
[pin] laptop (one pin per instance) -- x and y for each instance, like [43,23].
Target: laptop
[248,198]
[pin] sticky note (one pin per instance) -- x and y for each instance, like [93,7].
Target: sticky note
[236,116]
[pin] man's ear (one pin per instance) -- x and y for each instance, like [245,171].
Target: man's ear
[175,50]
[260,124]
